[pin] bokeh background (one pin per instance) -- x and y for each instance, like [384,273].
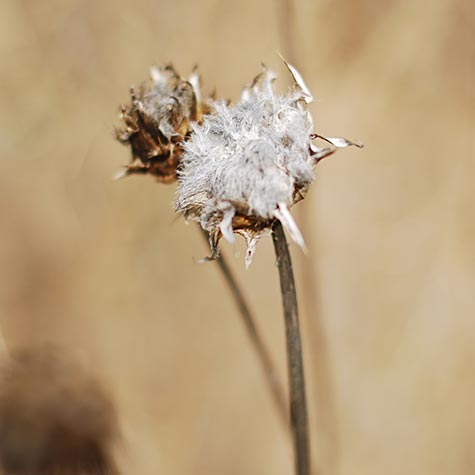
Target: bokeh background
[387,290]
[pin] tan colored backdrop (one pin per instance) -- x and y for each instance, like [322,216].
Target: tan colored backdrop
[107,269]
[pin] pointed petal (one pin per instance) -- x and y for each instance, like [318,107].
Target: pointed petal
[155,74]
[252,238]
[268,79]
[340,142]
[226,226]
[246,94]
[320,153]
[213,239]
[251,249]
[282,213]
[122,173]
[306,94]
[194,80]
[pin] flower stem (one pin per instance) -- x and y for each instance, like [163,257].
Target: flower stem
[298,403]
[272,379]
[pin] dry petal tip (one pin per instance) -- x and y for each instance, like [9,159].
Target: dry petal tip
[339,142]
[252,238]
[226,226]
[120,174]
[320,153]
[268,77]
[194,80]
[282,213]
[155,74]
[213,239]
[245,95]
[306,94]
[251,249]
[251,241]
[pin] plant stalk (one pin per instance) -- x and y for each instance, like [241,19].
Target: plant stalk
[298,403]
[271,375]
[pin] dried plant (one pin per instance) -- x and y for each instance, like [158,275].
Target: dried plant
[55,419]
[240,169]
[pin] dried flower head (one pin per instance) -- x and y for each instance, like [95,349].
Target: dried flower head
[54,418]
[158,121]
[245,165]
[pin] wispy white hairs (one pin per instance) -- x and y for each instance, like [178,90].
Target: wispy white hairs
[247,164]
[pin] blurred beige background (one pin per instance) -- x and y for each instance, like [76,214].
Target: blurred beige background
[106,268]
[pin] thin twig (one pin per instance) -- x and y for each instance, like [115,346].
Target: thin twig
[272,379]
[298,403]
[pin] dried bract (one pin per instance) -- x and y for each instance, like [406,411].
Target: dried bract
[158,121]
[54,418]
[245,165]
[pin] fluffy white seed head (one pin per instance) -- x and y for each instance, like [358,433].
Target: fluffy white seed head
[248,158]
[245,165]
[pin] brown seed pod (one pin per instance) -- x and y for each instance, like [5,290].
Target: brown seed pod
[158,120]
[54,418]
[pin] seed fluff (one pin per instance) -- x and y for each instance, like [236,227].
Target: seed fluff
[246,164]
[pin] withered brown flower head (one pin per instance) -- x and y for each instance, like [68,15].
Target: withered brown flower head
[54,418]
[158,120]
